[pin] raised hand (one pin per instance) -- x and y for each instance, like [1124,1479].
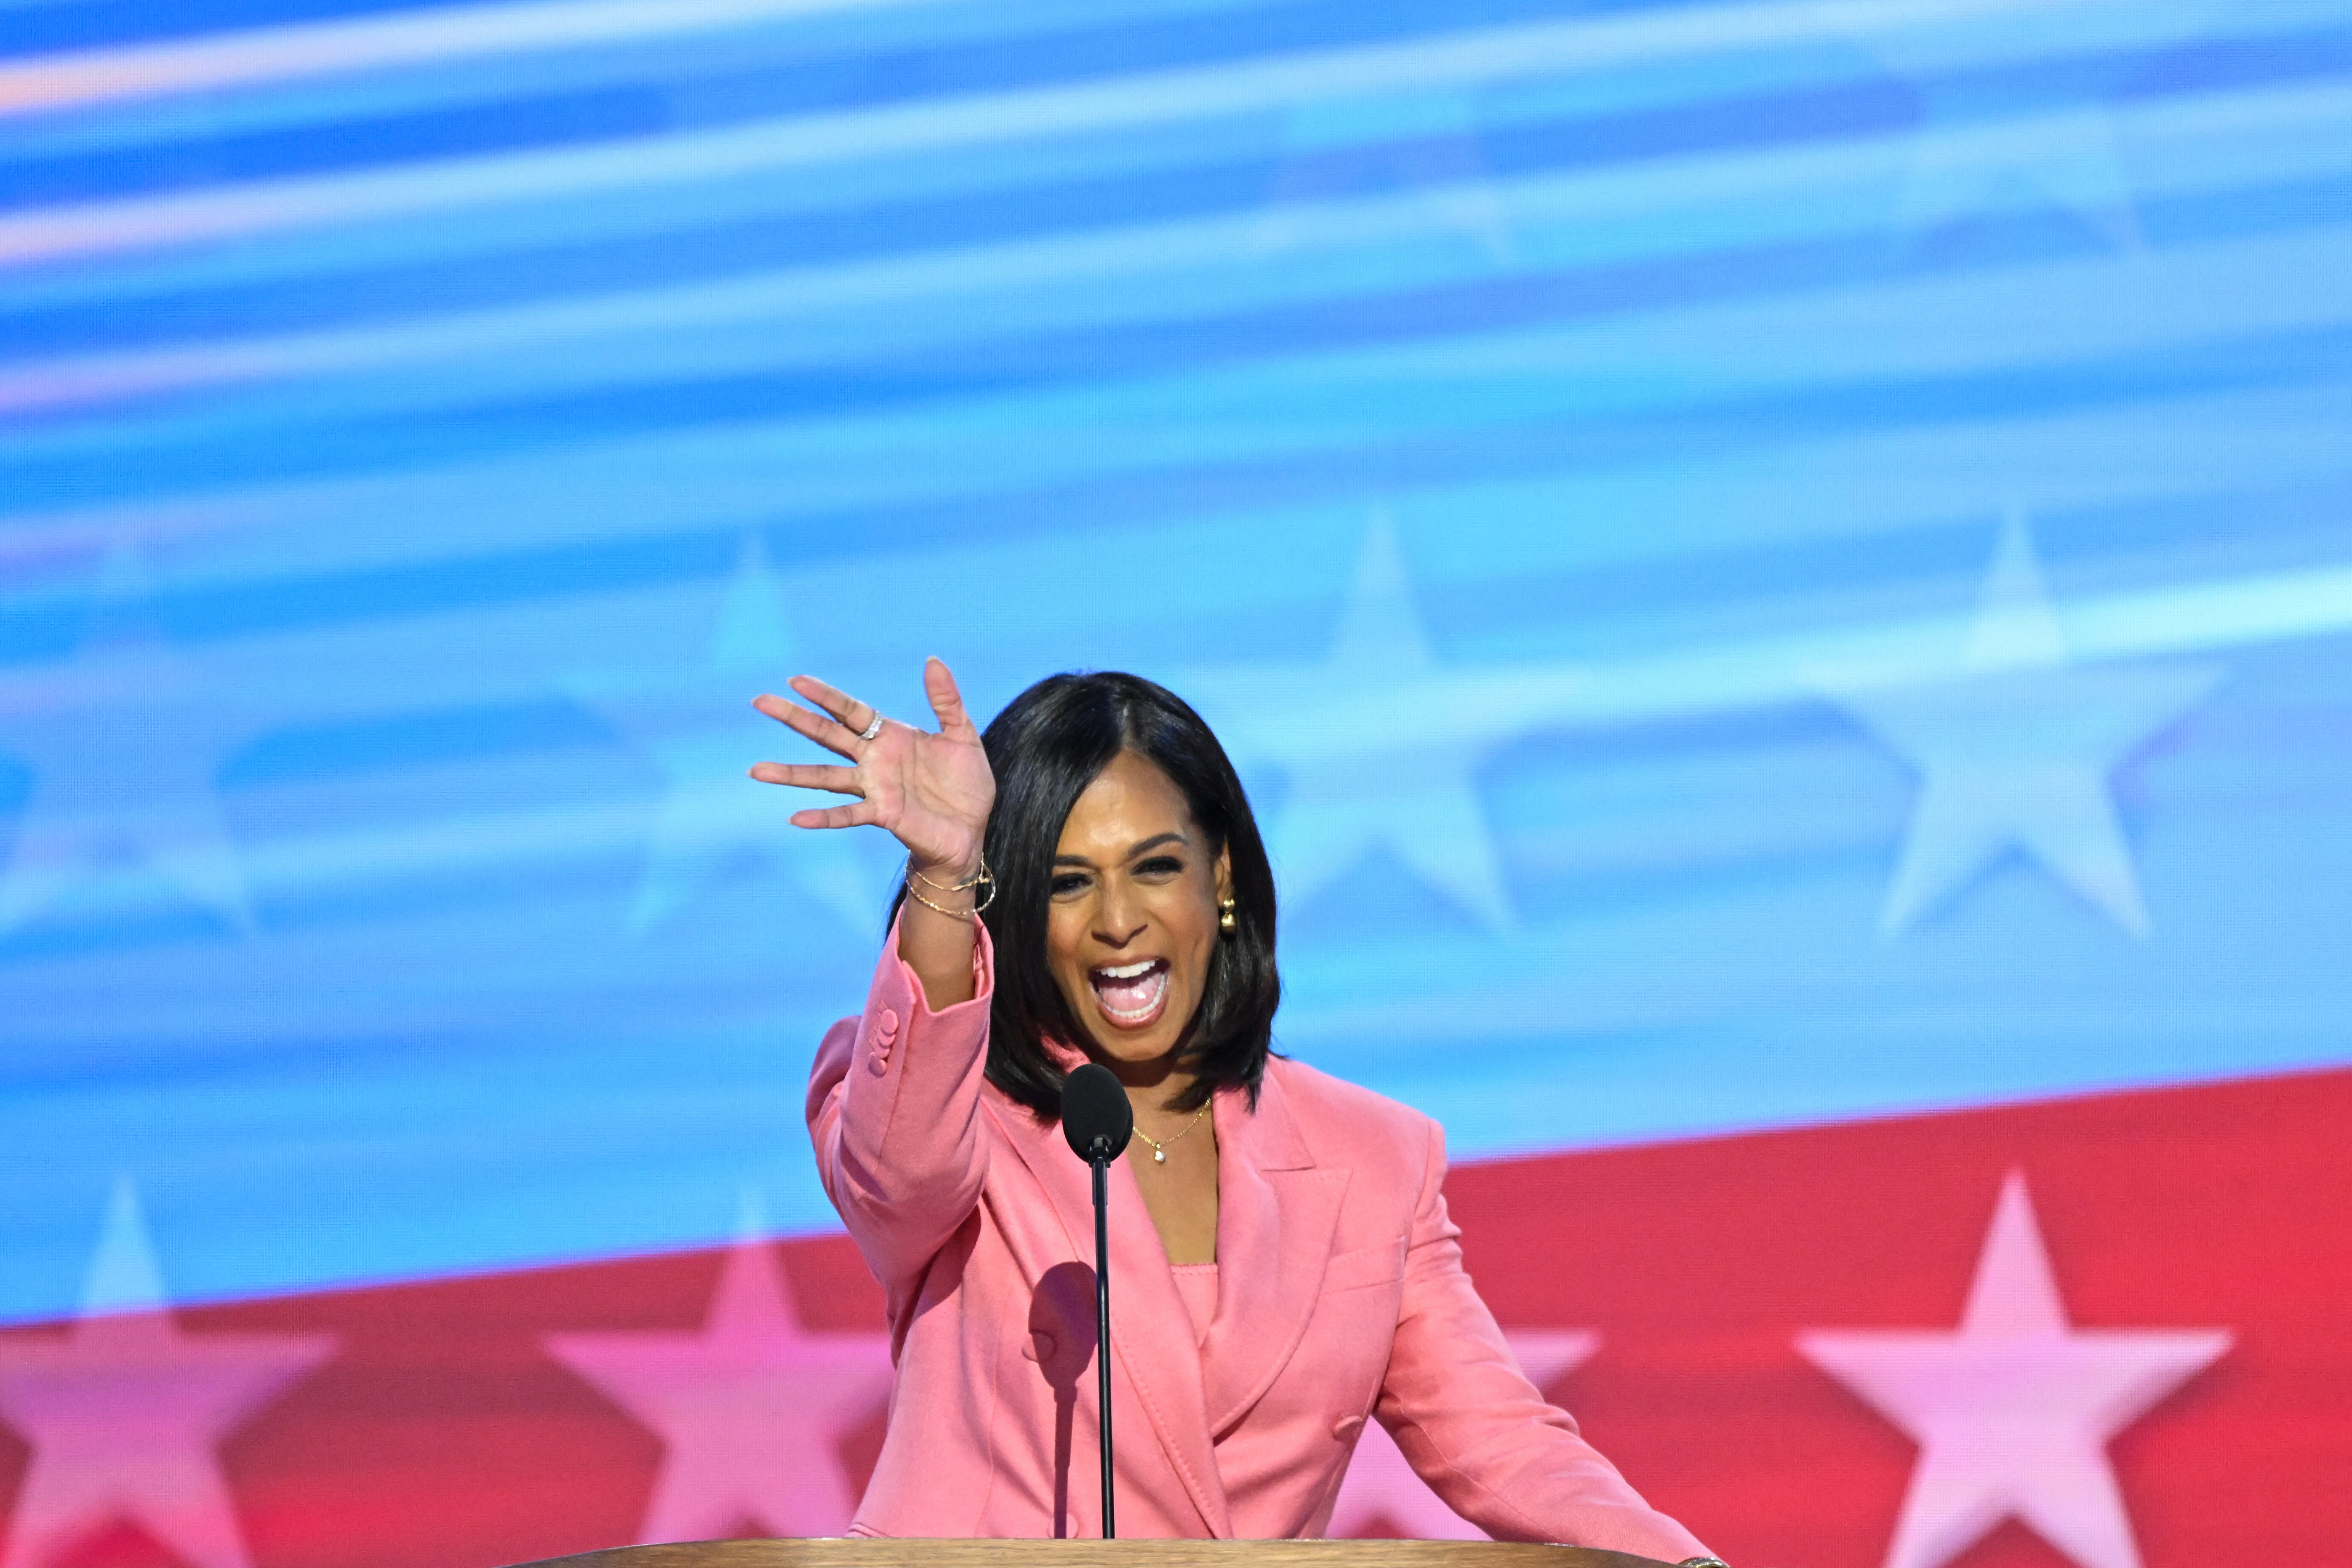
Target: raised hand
[930,791]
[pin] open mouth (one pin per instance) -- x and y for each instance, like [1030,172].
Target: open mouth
[1131,995]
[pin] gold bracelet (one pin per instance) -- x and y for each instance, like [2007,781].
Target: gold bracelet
[951,915]
[977,878]
[974,881]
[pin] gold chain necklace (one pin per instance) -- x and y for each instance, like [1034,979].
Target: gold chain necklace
[1158,1149]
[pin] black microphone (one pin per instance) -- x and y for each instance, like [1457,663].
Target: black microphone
[1098,1120]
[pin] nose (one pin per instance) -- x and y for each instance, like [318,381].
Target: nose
[1110,932]
[1117,920]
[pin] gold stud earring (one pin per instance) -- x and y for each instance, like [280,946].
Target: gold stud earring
[1226,921]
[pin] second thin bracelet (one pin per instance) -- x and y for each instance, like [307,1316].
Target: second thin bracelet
[981,878]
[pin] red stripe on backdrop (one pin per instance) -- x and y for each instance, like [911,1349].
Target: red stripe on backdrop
[2225,1205]
[445,1430]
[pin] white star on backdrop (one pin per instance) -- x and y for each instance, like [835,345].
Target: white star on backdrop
[1976,151]
[123,751]
[1426,150]
[2064,159]
[752,1407]
[1381,1487]
[1379,743]
[696,724]
[2013,1411]
[124,1412]
[2014,750]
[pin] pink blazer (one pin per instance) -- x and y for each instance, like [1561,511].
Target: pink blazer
[1341,1296]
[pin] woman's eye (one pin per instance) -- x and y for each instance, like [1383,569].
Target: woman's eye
[1160,866]
[1067,882]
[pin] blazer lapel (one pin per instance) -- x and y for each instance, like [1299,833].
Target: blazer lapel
[1152,1332]
[1277,1215]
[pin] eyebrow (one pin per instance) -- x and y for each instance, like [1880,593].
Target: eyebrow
[1151,843]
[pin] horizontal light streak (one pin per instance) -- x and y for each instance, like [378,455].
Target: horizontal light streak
[1483,705]
[1458,60]
[623,493]
[1488,706]
[30,541]
[1796,187]
[50,83]
[1480,707]
[2212,616]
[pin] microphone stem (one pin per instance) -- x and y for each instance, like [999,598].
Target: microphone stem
[1102,1331]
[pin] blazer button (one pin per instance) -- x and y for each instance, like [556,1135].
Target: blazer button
[886,1024]
[879,1063]
[1346,1427]
[1040,1347]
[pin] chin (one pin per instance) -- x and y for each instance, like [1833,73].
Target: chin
[1135,1052]
[1139,1046]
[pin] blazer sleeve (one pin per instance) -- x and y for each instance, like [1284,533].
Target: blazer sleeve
[1479,1431]
[894,1112]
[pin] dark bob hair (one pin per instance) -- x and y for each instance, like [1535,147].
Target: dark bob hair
[1045,749]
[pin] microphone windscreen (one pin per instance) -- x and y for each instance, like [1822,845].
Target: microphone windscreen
[1097,1116]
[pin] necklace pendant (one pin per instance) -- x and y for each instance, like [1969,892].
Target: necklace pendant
[1160,1156]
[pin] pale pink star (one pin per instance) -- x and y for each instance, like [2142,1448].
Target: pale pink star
[752,1407]
[2013,1411]
[1381,1487]
[124,1412]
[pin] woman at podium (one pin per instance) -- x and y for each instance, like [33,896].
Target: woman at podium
[1085,881]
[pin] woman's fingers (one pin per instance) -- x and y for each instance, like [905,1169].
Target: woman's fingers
[827,732]
[927,796]
[810,775]
[858,816]
[947,701]
[853,715]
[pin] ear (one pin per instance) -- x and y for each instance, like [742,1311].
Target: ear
[1224,873]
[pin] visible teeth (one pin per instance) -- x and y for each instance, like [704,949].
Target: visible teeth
[1132,1015]
[1129,971]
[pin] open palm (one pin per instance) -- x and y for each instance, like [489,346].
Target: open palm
[930,791]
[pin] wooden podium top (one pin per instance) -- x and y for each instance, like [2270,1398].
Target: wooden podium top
[857,1551]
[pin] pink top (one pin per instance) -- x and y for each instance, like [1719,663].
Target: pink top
[1197,1283]
[1341,1299]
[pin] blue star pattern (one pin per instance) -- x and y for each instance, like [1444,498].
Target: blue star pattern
[694,723]
[1361,780]
[123,741]
[1559,447]
[2015,749]
[1993,137]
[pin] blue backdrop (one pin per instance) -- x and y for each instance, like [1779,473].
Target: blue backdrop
[1763,562]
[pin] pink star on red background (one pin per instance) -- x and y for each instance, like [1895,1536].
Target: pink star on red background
[2013,1411]
[124,1411]
[752,1407]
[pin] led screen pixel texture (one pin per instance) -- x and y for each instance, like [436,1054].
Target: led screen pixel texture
[1764,563]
